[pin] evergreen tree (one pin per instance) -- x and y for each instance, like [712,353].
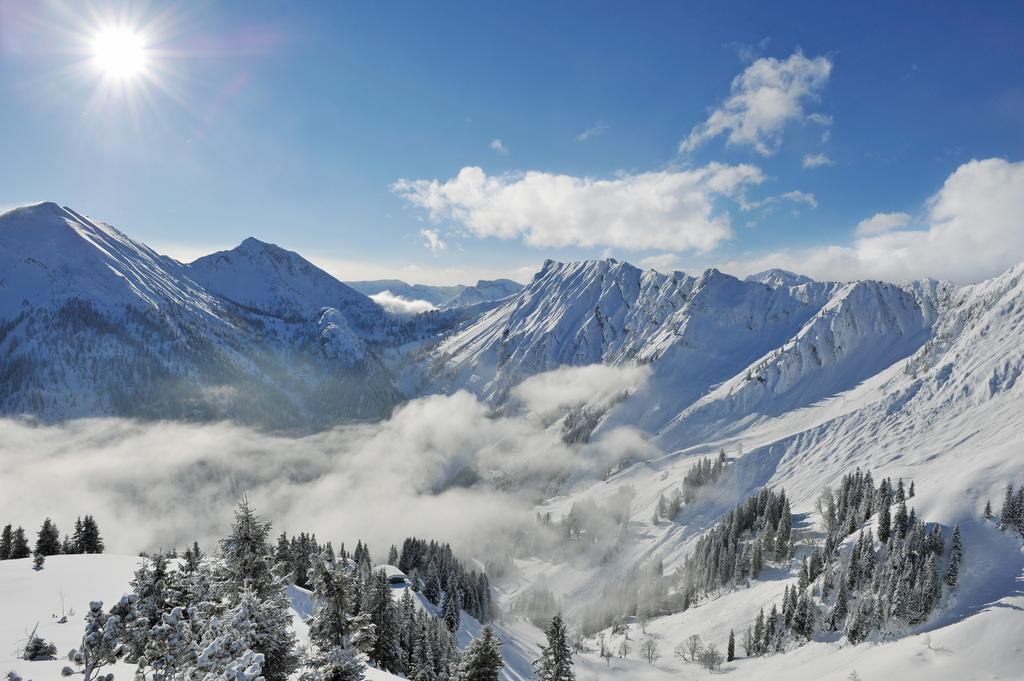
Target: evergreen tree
[450,610]
[884,521]
[246,576]
[91,542]
[336,664]
[393,555]
[840,607]
[901,521]
[332,601]
[432,586]
[555,663]
[19,544]
[77,538]
[48,539]
[168,652]
[101,643]
[956,554]
[986,514]
[6,540]
[731,650]
[383,614]
[246,556]
[1007,515]
[422,664]
[482,659]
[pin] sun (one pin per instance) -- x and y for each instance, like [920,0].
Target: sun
[119,53]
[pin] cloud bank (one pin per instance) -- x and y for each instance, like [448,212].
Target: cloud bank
[974,230]
[398,305]
[165,484]
[666,209]
[763,100]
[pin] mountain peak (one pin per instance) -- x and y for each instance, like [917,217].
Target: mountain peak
[776,277]
[35,211]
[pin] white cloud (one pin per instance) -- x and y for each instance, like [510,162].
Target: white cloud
[975,231]
[399,305]
[673,209]
[166,484]
[499,146]
[817,161]
[596,130]
[433,240]
[797,196]
[880,223]
[768,203]
[767,96]
[661,262]
[596,384]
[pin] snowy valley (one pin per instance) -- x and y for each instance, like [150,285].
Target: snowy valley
[655,456]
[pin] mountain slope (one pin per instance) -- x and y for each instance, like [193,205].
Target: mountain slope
[695,331]
[435,295]
[93,323]
[272,281]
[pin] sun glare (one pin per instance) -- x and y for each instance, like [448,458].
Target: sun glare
[119,53]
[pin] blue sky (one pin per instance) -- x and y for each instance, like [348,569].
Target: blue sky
[365,135]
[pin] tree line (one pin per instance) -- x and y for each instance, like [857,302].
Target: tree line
[228,617]
[85,538]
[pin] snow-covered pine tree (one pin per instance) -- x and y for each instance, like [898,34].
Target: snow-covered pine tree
[363,635]
[90,541]
[246,556]
[956,554]
[227,642]
[332,602]
[421,663]
[432,585]
[1006,514]
[336,664]
[48,539]
[731,649]
[482,659]
[246,573]
[387,651]
[6,539]
[555,663]
[451,609]
[101,643]
[169,652]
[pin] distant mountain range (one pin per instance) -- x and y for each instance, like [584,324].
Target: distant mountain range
[95,323]
[458,295]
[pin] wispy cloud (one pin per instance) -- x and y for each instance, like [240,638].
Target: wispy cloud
[817,161]
[767,96]
[498,146]
[596,130]
[797,196]
[673,210]
[433,240]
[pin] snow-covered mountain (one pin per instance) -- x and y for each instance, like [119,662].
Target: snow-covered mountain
[435,295]
[694,331]
[484,291]
[95,323]
[458,295]
[798,381]
[269,280]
